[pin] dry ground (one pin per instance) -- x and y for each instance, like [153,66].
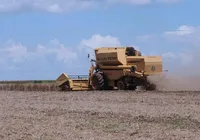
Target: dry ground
[99,115]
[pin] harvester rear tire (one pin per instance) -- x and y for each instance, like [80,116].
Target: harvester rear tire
[121,85]
[150,86]
[98,81]
[132,87]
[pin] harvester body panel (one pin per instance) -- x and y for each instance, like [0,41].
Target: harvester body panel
[117,58]
[150,65]
[110,56]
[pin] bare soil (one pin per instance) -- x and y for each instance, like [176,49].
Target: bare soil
[115,115]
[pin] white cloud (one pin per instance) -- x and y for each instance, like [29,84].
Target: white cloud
[60,6]
[97,41]
[185,35]
[169,56]
[65,54]
[61,52]
[100,41]
[47,5]
[51,55]
[169,1]
[135,2]
[43,61]
[19,53]
[14,51]
[50,58]
[181,58]
[182,30]
[187,40]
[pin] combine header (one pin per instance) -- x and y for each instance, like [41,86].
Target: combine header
[67,84]
[122,68]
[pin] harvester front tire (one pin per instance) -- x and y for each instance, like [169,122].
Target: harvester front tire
[98,81]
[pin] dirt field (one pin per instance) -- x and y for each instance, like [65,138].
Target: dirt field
[96,115]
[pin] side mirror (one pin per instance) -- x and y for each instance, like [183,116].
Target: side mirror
[88,55]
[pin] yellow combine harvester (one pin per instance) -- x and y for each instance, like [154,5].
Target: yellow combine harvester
[123,68]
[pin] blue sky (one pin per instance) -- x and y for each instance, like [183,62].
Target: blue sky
[39,39]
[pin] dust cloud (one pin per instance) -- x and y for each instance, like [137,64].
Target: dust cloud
[170,82]
[181,75]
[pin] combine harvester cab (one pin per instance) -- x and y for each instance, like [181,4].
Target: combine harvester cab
[123,68]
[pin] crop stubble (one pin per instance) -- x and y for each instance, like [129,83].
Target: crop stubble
[28,87]
[99,115]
